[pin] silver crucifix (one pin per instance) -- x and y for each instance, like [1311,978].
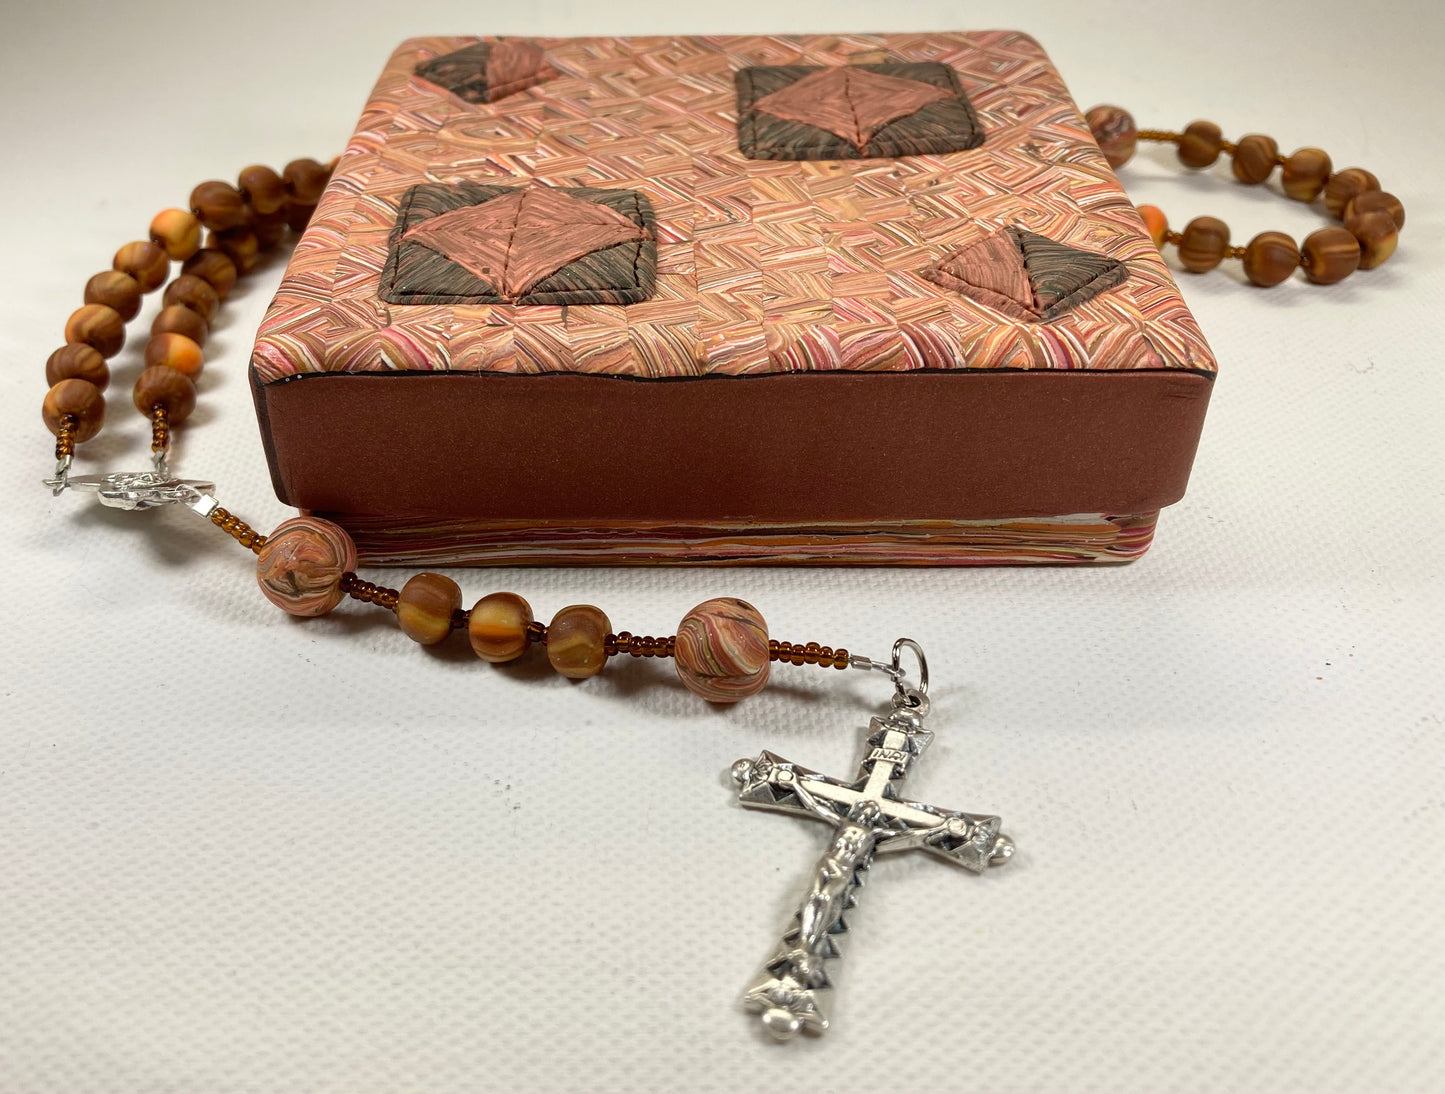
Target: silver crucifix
[793,990]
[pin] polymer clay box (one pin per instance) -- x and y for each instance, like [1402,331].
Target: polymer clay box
[834,298]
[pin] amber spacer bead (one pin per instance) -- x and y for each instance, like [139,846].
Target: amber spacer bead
[305,180]
[262,189]
[1329,255]
[77,361]
[1270,258]
[577,641]
[1377,201]
[1200,144]
[1346,185]
[1254,158]
[174,351]
[177,232]
[1115,133]
[425,606]
[1304,173]
[195,293]
[214,267]
[219,206]
[1155,223]
[179,319]
[145,262]
[162,386]
[240,245]
[115,290]
[1376,234]
[98,326]
[81,401]
[498,626]
[1203,243]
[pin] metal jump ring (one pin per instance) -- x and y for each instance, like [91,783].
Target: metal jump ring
[899,675]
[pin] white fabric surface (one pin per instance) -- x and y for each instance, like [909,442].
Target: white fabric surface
[244,854]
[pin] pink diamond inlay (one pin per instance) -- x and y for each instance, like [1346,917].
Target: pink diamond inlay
[852,102]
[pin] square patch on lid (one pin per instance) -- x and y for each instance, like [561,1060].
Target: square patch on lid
[469,243]
[488,71]
[878,111]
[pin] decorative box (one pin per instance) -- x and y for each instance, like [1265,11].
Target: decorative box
[833,298]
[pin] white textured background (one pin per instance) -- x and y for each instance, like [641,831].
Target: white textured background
[238,853]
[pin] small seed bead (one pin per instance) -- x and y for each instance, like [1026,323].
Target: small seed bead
[160,429]
[367,592]
[237,528]
[812,653]
[65,436]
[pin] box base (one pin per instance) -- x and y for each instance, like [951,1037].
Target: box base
[1078,538]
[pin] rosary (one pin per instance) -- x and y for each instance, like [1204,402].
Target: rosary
[722,650]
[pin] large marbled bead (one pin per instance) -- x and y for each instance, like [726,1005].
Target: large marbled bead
[577,641]
[300,566]
[425,607]
[497,627]
[722,650]
[1114,131]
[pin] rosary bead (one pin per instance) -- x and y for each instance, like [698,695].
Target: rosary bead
[301,565]
[577,641]
[1115,133]
[1330,255]
[1205,239]
[77,397]
[269,229]
[262,189]
[240,245]
[722,650]
[305,179]
[96,325]
[1376,201]
[298,216]
[115,290]
[174,351]
[1305,172]
[1346,185]
[425,607]
[1155,222]
[219,206]
[1254,158]
[177,232]
[1270,258]
[1200,144]
[195,293]
[1376,234]
[162,386]
[179,319]
[77,361]
[214,266]
[145,262]
[497,627]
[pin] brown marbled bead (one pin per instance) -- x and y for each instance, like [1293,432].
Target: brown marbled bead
[145,262]
[1329,255]
[163,386]
[1377,201]
[1304,173]
[425,607]
[497,627]
[195,293]
[305,179]
[77,361]
[1200,144]
[96,325]
[219,206]
[240,245]
[1346,185]
[269,229]
[177,232]
[213,266]
[174,351]
[1254,158]
[262,189]
[298,216]
[115,290]
[722,650]
[1114,132]
[77,397]
[1203,243]
[1270,258]
[302,563]
[1155,222]
[577,641]
[179,319]
[1376,234]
